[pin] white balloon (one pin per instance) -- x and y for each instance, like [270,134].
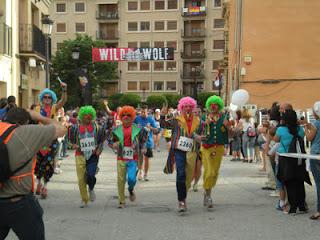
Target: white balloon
[233,107]
[240,97]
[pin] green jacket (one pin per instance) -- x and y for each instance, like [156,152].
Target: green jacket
[217,133]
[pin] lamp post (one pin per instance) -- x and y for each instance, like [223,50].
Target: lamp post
[47,25]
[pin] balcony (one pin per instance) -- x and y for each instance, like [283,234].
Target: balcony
[32,40]
[109,36]
[193,54]
[194,11]
[190,75]
[107,15]
[5,39]
[193,33]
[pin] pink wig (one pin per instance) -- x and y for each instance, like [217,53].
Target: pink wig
[187,101]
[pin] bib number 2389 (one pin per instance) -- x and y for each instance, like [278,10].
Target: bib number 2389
[127,153]
[185,144]
[87,144]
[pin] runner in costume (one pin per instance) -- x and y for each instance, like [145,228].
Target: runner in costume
[215,129]
[183,151]
[46,156]
[88,141]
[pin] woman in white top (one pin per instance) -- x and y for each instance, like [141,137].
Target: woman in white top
[246,124]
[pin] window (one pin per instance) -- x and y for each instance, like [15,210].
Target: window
[215,64]
[144,26]
[132,5]
[145,5]
[172,44]
[172,4]
[144,44]
[217,3]
[132,44]
[144,66]
[159,66]
[218,44]
[132,26]
[171,66]
[172,25]
[144,85]
[159,44]
[159,25]
[61,8]
[171,86]
[80,7]
[132,66]
[59,46]
[159,4]
[80,27]
[158,86]
[61,28]
[218,23]
[132,86]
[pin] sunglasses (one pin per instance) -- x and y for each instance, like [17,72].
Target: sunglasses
[47,97]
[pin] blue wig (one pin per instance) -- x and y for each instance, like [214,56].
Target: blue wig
[47,91]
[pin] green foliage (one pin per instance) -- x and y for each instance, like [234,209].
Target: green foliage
[202,98]
[130,99]
[67,68]
[173,99]
[114,101]
[156,101]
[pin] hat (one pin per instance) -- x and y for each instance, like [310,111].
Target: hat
[157,110]
[316,108]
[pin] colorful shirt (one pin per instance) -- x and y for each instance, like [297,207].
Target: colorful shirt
[286,138]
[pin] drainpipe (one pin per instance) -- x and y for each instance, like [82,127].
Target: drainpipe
[239,39]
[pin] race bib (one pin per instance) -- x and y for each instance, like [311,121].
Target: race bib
[158,124]
[127,153]
[167,133]
[87,144]
[185,144]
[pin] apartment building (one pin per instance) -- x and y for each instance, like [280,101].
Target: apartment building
[22,51]
[274,50]
[194,28]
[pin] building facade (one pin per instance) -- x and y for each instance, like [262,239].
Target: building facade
[194,28]
[22,51]
[274,50]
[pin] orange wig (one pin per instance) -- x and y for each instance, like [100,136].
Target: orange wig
[128,110]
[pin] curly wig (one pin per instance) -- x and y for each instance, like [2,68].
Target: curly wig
[85,110]
[128,110]
[214,100]
[47,91]
[187,101]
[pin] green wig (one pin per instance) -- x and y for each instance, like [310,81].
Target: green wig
[85,110]
[214,100]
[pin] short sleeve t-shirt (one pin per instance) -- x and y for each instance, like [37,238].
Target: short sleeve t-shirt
[286,138]
[315,145]
[143,122]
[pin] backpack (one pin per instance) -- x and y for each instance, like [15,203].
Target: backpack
[5,171]
[251,132]
[297,146]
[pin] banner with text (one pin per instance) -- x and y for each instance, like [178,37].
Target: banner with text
[132,54]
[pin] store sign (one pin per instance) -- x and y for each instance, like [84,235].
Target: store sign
[132,54]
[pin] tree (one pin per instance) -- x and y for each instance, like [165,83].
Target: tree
[130,99]
[156,101]
[114,100]
[173,99]
[202,98]
[68,69]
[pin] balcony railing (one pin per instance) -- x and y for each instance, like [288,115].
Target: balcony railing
[192,75]
[5,39]
[193,11]
[103,35]
[193,54]
[32,40]
[107,15]
[193,33]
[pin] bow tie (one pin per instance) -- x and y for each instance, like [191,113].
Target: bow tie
[82,128]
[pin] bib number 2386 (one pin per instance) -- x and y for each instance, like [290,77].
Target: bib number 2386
[127,153]
[87,144]
[185,144]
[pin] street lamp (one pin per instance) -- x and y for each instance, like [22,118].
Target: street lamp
[47,25]
[75,53]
